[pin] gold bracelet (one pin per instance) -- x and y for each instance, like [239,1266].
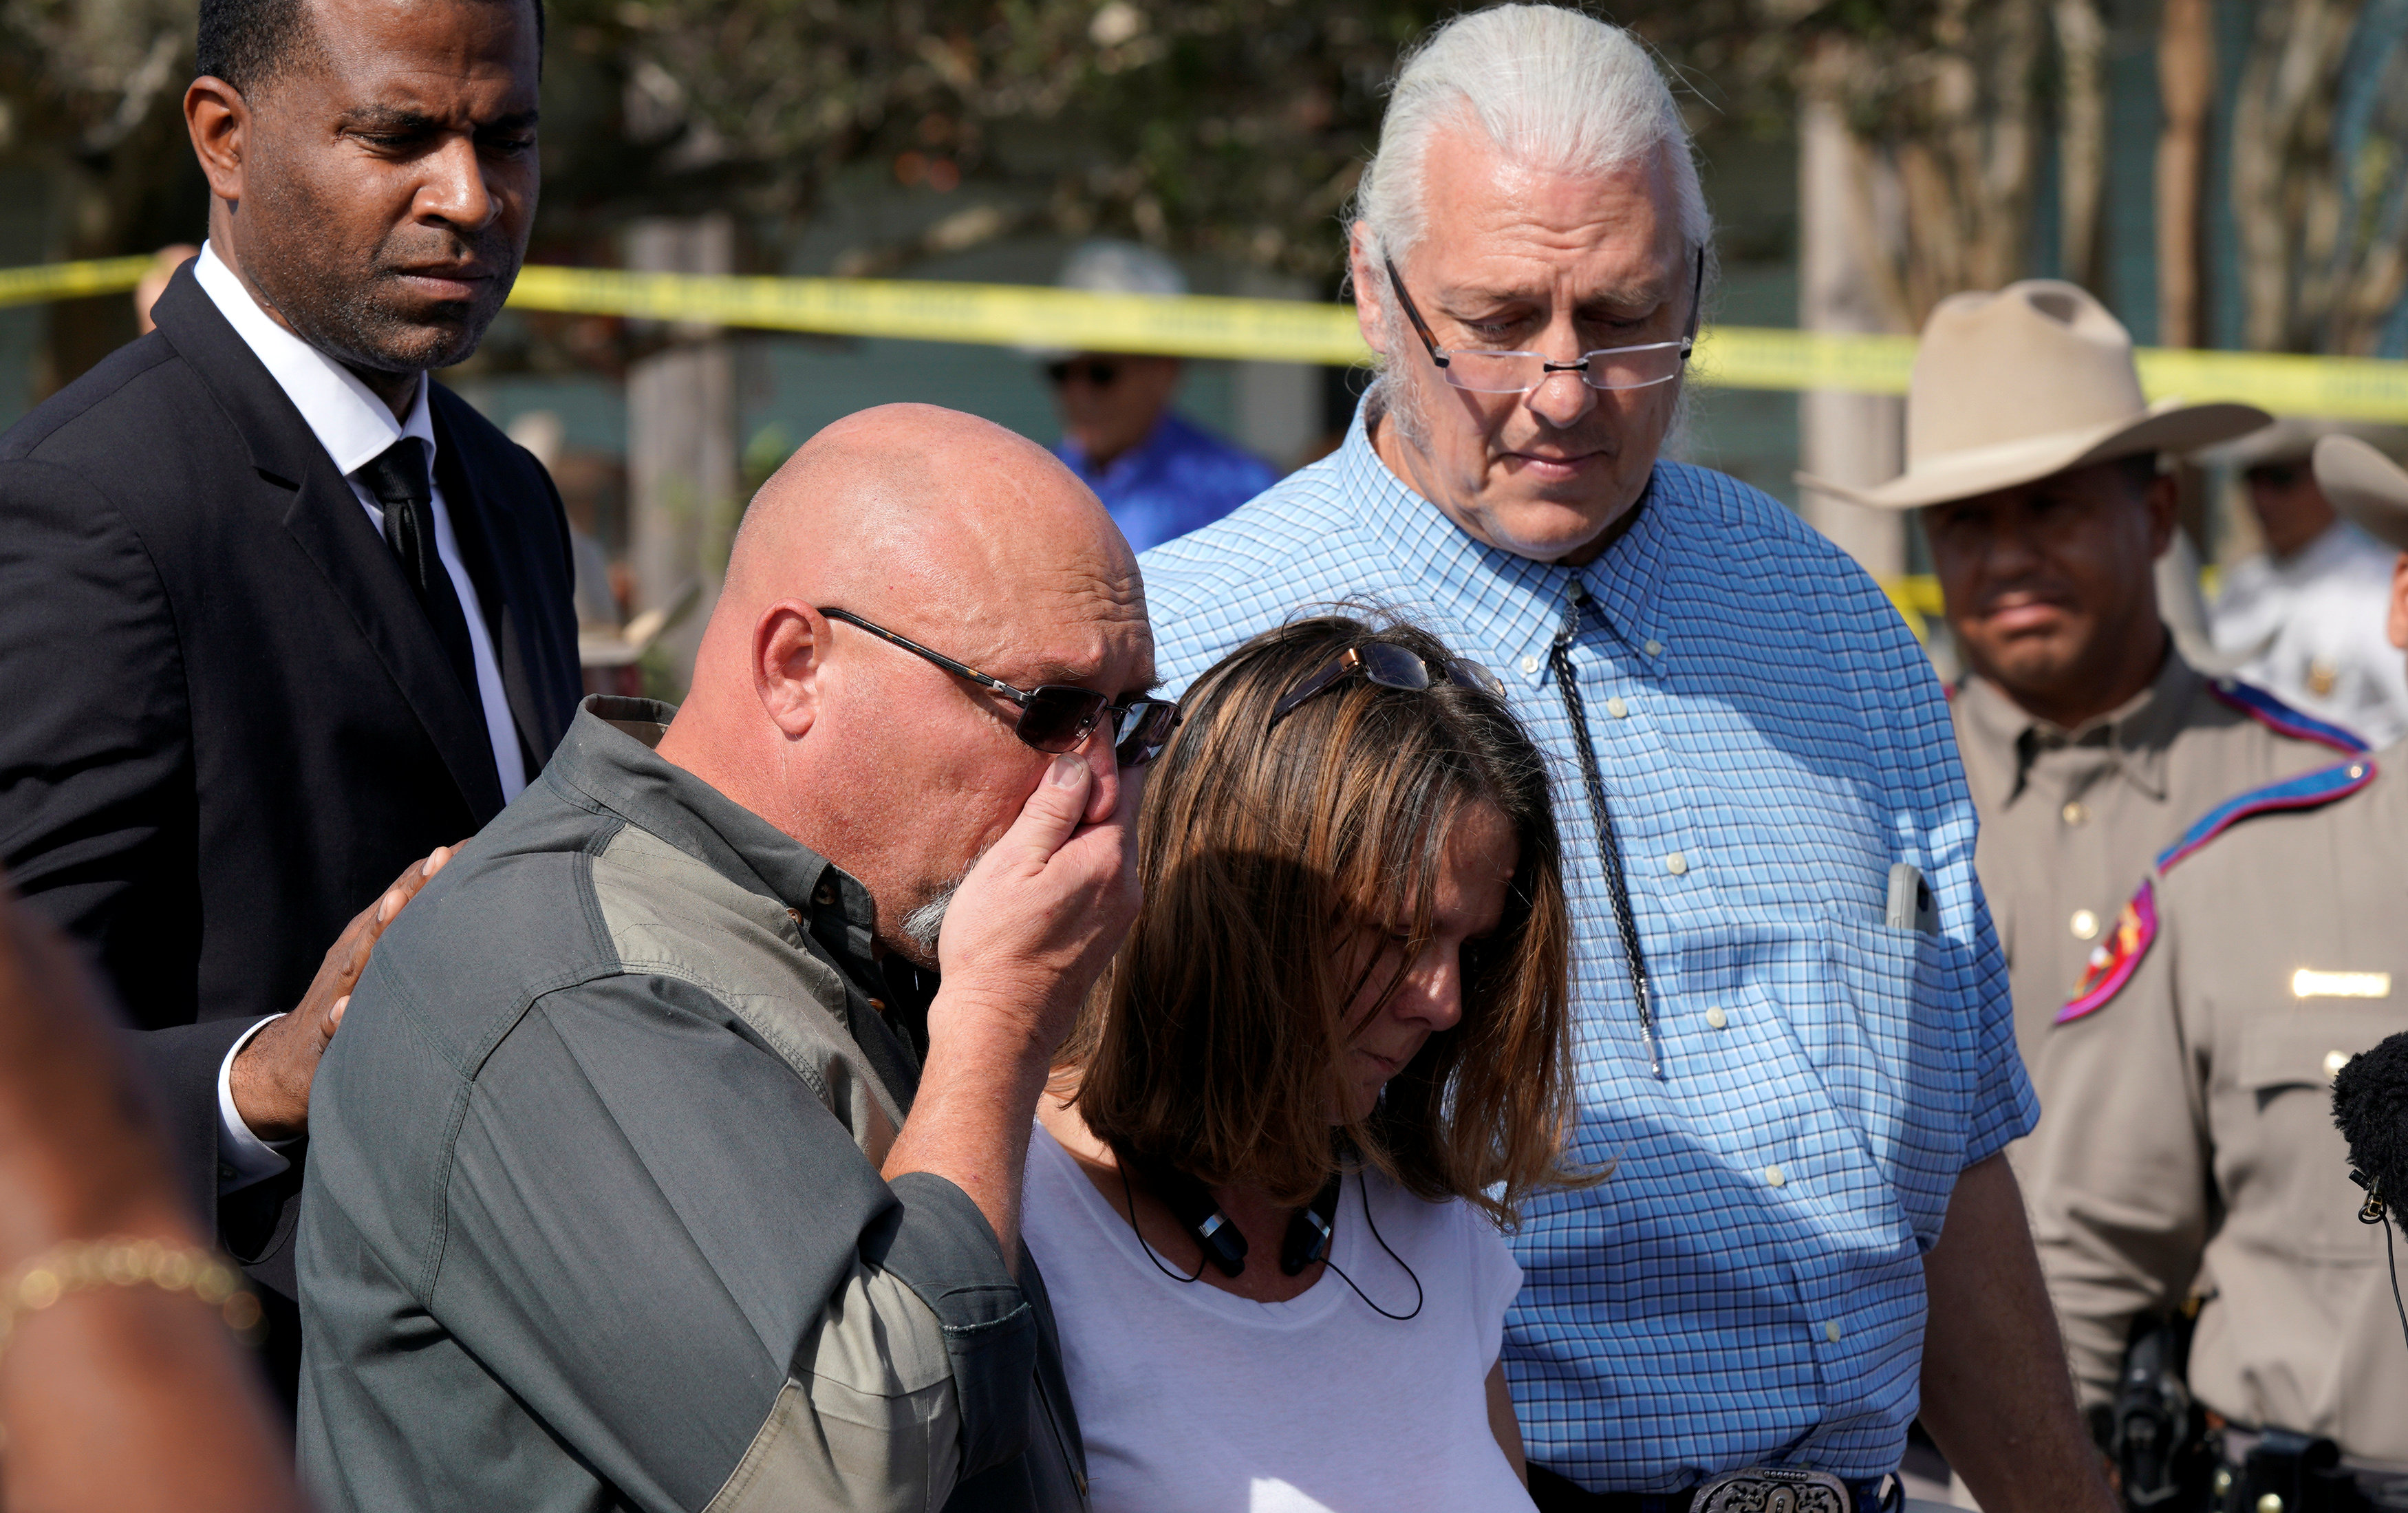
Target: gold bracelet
[124,1261]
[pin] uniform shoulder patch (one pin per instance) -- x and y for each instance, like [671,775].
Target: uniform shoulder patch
[2309,790]
[2282,718]
[2115,959]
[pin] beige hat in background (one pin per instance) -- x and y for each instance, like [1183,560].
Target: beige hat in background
[2366,486]
[2011,387]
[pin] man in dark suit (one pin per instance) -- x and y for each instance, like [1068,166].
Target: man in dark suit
[278,616]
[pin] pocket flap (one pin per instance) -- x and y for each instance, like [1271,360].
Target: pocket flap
[2304,1047]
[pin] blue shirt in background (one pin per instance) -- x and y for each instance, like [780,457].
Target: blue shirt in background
[1180,478]
[1747,1284]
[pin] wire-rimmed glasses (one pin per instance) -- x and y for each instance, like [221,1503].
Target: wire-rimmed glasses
[1518,372]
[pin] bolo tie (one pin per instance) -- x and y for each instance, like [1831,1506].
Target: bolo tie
[1617,887]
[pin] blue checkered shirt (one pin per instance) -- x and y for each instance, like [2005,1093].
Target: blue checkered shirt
[1747,1286]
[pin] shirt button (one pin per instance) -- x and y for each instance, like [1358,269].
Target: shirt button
[825,896]
[1776,1176]
[1676,864]
[1831,1331]
[1655,648]
[1616,708]
[1715,1017]
[2075,812]
[2085,925]
[1529,664]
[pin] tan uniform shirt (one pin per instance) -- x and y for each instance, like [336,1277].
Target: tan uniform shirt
[2191,1146]
[2071,819]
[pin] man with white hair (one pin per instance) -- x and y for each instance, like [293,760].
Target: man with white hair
[1797,1051]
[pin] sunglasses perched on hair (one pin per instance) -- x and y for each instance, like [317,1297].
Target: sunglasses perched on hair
[1096,372]
[1390,666]
[1055,717]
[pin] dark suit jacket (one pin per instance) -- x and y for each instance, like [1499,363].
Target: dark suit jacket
[229,723]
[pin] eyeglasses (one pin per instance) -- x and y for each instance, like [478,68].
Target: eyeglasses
[1519,372]
[1096,372]
[1056,717]
[1390,666]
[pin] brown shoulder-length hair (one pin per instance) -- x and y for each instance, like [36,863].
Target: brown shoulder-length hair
[1272,856]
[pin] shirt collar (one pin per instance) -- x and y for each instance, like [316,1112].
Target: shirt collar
[608,757]
[1167,433]
[2134,736]
[1515,602]
[348,421]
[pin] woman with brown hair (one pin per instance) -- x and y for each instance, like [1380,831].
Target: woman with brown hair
[1332,1059]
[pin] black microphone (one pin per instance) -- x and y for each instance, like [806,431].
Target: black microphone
[2371,1107]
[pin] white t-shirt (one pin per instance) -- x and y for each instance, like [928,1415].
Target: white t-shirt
[1192,1400]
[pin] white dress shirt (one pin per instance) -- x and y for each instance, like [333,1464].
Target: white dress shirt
[355,427]
[2313,628]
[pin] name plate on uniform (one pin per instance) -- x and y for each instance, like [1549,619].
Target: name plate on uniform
[2309,983]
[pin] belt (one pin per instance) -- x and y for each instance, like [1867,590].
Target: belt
[1555,1493]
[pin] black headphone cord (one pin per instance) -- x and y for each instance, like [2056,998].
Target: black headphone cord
[1363,1190]
[1128,1193]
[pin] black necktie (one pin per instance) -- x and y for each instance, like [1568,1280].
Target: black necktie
[398,478]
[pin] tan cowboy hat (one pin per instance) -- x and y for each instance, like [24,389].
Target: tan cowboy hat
[2011,387]
[2366,486]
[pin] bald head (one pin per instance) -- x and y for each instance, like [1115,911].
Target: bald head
[908,504]
[954,533]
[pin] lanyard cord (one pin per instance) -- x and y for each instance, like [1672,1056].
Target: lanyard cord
[1559,658]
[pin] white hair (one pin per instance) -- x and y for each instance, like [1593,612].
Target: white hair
[1551,88]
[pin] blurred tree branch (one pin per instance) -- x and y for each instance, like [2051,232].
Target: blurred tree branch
[1232,127]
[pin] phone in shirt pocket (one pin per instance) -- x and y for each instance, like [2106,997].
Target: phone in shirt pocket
[1911,903]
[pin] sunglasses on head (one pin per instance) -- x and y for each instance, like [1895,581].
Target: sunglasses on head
[1055,717]
[1097,373]
[1390,666]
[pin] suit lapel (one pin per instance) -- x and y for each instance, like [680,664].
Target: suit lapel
[323,517]
[475,522]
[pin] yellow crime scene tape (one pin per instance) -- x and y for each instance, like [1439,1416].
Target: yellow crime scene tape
[1285,331]
[46,282]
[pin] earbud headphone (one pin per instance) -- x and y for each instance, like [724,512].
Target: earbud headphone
[1224,1248]
[1191,1202]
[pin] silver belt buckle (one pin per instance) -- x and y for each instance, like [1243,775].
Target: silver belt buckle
[1772,1489]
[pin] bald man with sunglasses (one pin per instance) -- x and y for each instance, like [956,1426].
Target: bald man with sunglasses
[656,1165]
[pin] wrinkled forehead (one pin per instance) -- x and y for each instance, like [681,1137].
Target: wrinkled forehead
[1057,599]
[1489,218]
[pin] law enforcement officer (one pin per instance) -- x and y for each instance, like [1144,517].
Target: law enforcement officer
[2190,1154]
[1160,474]
[2304,617]
[2088,742]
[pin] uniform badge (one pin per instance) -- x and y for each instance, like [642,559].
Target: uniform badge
[2115,959]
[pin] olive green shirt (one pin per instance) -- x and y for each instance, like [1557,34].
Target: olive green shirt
[2191,1144]
[2071,819]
